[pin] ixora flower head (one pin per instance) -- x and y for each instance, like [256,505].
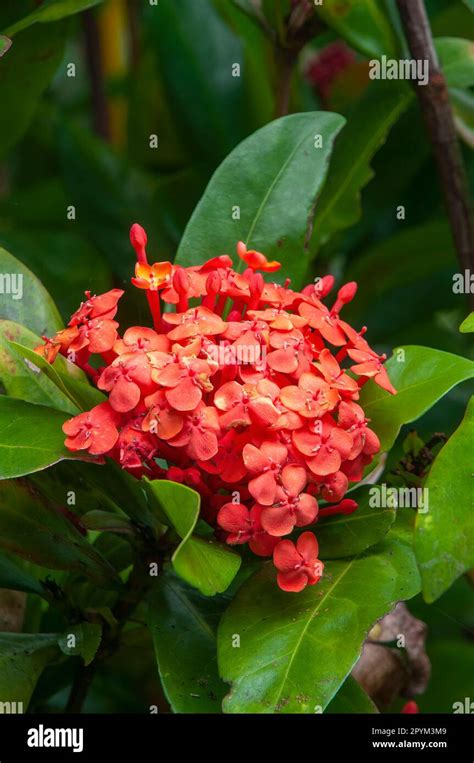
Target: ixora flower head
[246,389]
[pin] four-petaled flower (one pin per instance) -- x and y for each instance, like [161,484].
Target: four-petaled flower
[298,565]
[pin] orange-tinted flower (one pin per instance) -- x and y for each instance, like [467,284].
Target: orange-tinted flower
[152,277]
[256,260]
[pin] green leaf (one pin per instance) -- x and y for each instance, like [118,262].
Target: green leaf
[393,265]
[24,299]
[421,377]
[87,638]
[23,658]
[106,521]
[24,75]
[31,437]
[205,564]
[296,650]
[67,378]
[343,536]
[183,624]
[15,578]
[206,101]
[33,217]
[368,124]
[19,379]
[34,530]
[5,45]
[467,326]
[274,178]
[51,10]
[362,23]
[351,698]
[457,60]
[444,535]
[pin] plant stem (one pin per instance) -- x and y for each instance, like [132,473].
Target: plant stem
[285,61]
[138,584]
[96,75]
[439,120]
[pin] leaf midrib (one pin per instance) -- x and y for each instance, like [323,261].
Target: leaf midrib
[310,618]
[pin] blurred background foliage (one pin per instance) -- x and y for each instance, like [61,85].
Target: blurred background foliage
[82,97]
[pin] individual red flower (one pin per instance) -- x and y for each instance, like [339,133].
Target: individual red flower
[185,382]
[298,565]
[97,335]
[199,434]
[369,364]
[325,446]
[256,260]
[244,526]
[244,404]
[227,462]
[290,506]
[101,306]
[141,339]
[161,419]
[127,379]
[198,321]
[335,375]
[326,322]
[266,462]
[95,431]
[312,398]
[351,417]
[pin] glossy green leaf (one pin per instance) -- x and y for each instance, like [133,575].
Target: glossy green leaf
[25,72]
[296,650]
[467,326]
[421,377]
[273,178]
[343,536]
[31,437]
[5,45]
[37,231]
[85,642]
[68,379]
[444,536]
[34,530]
[24,299]
[183,624]
[205,564]
[362,23]
[102,487]
[51,10]
[367,127]
[23,657]
[19,379]
[15,578]
[351,698]
[457,60]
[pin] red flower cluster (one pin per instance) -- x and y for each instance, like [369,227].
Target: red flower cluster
[245,392]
